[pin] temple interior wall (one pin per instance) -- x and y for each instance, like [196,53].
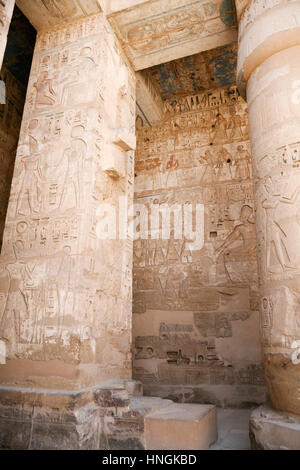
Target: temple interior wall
[195,311]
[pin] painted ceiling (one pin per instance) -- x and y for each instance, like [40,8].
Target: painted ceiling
[195,73]
[20,46]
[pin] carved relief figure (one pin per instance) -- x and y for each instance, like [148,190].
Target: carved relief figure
[239,249]
[29,197]
[234,125]
[220,134]
[243,160]
[275,234]
[45,94]
[75,156]
[244,233]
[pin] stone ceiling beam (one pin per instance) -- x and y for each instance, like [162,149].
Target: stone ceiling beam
[113,6]
[149,102]
[44,14]
[151,32]
[158,31]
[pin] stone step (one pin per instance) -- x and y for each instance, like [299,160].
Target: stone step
[134,388]
[145,405]
[181,426]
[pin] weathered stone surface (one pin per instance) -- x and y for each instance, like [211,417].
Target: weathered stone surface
[52,13]
[271,67]
[99,418]
[183,427]
[162,30]
[65,291]
[272,430]
[222,395]
[71,290]
[196,321]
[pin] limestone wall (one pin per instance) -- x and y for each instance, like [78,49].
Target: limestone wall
[196,321]
[65,313]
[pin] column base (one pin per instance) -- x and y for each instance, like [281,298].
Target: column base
[274,430]
[97,418]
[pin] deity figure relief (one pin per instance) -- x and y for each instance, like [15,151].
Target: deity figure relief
[275,234]
[32,290]
[224,164]
[75,155]
[29,197]
[45,94]
[234,125]
[220,134]
[242,238]
[239,249]
[243,163]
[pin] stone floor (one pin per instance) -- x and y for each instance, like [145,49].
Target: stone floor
[233,430]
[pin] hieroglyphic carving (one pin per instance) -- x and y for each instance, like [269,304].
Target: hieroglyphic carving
[205,100]
[189,359]
[54,268]
[199,153]
[149,32]
[273,89]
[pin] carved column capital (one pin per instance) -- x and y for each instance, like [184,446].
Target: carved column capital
[265,28]
[240,7]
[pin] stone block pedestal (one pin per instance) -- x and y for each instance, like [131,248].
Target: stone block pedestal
[273,430]
[181,427]
[94,418]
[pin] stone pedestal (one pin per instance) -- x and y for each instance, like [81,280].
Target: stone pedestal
[94,418]
[6,11]
[181,427]
[268,71]
[272,430]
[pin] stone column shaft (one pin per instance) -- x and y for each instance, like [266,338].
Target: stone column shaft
[269,72]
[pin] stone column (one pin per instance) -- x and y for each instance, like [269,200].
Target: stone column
[269,73]
[65,318]
[6,11]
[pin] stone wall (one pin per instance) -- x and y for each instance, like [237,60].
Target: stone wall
[196,320]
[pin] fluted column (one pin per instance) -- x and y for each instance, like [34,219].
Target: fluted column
[269,75]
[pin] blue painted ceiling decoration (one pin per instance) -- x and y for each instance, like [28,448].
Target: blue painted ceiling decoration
[196,73]
[227,13]
[20,46]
